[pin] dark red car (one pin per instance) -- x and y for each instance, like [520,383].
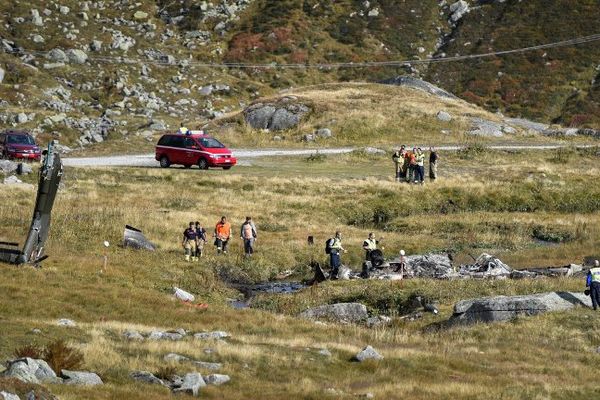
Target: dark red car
[195,149]
[19,145]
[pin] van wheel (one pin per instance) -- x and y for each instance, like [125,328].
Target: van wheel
[164,162]
[202,164]
[226,167]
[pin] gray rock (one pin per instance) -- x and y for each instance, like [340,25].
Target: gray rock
[217,379]
[80,378]
[64,10]
[504,308]
[30,371]
[325,353]
[191,384]
[208,365]
[133,335]
[415,83]
[340,312]
[211,335]
[444,116]
[458,10]
[378,320]
[66,322]
[275,116]
[8,396]
[146,377]
[175,357]
[77,56]
[24,169]
[158,126]
[38,39]
[324,133]
[206,90]
[174,336]
[53,65]
[308,138]
[96,45]
[2,73]
[21,118]
[8,167]
[57,56]
[36,18]
[368,353]
[156,335]
[485,128]
[12,180]
[527,124]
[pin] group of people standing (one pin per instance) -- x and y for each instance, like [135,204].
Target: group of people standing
[194,238]
[410,165]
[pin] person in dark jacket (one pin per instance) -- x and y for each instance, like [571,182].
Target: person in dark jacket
[190,242]
[200,239]
[433,160]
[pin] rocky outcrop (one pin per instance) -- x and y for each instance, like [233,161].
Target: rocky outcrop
[286,113]
[340,312]
[505,308]
[80,378]
[486,128]
[211,335]
[419,84]
[30,371]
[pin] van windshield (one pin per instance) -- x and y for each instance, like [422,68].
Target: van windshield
[20,139]
[211,143]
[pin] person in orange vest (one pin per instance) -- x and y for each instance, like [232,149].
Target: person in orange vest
[222,235]
[411,173]
[248,235]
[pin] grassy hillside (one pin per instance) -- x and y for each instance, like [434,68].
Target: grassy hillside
[528,208]
[146,61]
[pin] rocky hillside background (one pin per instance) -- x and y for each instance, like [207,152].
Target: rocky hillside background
[84,71]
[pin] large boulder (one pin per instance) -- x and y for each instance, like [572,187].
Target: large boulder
[504,308]
[340,312]
[415,83]
[57,55]
[8,396]
[80,378]
[77,56]
[217,379]
[277,116]
[30,371]
[8,167]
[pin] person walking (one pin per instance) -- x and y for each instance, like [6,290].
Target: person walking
[412,165]
[433,160]
[222,235]
[420,167]
[249,236]
[200,239]
[335,248]
[190,242]
[593,282]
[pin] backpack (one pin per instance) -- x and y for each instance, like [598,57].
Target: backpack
[328,244]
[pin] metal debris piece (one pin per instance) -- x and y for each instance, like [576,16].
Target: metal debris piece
[33,250]
[135,239]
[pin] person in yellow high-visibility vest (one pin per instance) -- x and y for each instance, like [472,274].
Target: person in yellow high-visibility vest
[593,282]
[369,245]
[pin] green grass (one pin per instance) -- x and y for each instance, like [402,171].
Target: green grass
[290,198]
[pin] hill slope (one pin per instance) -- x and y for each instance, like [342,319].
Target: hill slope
[122,67]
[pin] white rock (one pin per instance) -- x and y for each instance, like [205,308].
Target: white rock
[8,396]
[38,39]
[1,74]
[183,295]
[77,56]
[81,378]
[66,322]
[444,116]
[211,335]
[217,379]
[64,10]
[191,384]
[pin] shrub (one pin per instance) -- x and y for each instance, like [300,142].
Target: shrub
[29,350]
[166,372]
[61,356]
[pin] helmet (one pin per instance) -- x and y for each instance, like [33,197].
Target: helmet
[402,252]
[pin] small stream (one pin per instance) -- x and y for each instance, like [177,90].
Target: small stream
[249,291]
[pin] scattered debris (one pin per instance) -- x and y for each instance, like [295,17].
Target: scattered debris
[183,295]
[135,239]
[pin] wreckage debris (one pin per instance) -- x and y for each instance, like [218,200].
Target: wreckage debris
[134,238]
[49,180]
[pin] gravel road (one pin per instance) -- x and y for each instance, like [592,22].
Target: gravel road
[147,160]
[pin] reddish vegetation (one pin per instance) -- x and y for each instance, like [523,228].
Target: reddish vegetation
[249,46]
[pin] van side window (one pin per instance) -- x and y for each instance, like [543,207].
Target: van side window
[177,141]
[189,143]
[164,141]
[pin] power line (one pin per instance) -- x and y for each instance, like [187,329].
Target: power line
[366,64]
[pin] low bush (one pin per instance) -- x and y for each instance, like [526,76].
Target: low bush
[61,356]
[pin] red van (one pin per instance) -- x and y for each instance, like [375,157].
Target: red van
[195,149]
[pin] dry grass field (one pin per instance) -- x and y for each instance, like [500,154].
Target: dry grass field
[527,208]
